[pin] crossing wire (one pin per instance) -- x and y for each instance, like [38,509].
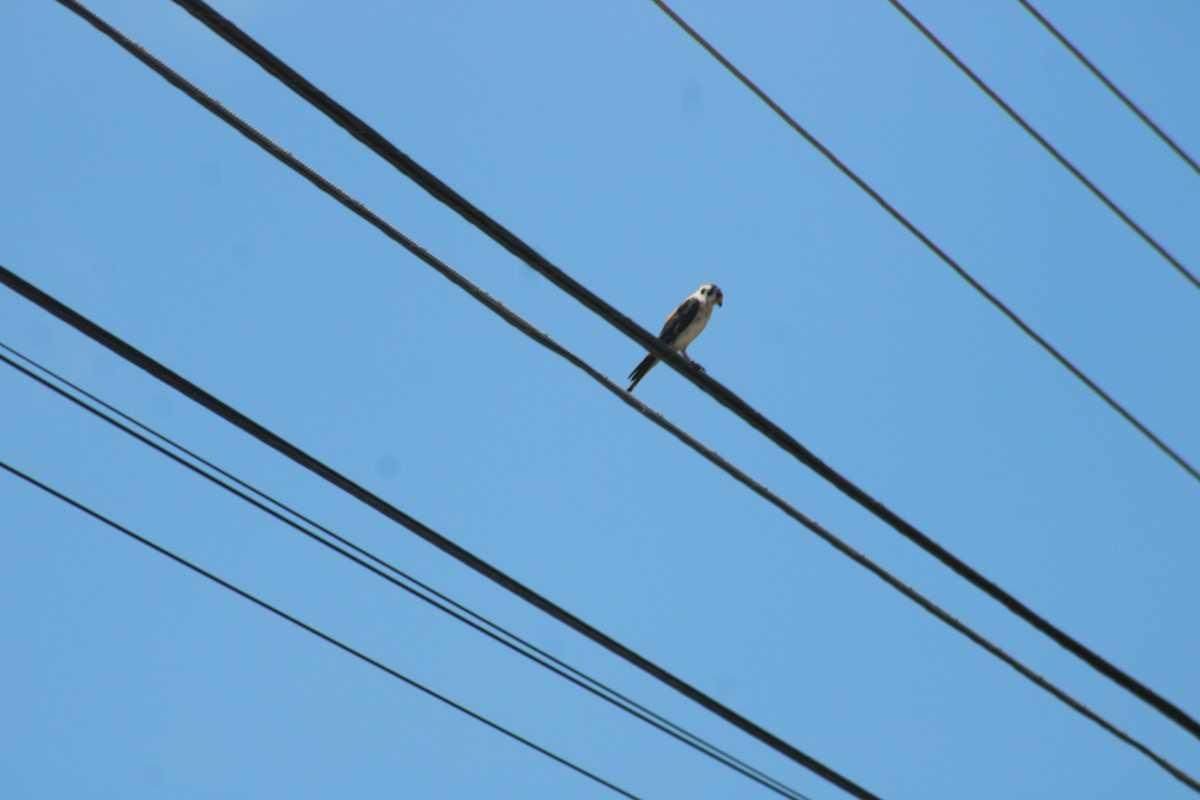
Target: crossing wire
[310,629]
[382,568]
[1049,148]
[1112,87]
[386,150]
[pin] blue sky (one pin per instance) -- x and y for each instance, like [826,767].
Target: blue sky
[614,145]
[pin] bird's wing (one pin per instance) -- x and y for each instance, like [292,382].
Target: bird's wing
[680,318]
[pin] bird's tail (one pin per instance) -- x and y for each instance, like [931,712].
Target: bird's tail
[640,370]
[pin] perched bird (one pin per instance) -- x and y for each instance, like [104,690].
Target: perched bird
[682,328]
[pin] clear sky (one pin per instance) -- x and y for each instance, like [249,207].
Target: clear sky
[613,144]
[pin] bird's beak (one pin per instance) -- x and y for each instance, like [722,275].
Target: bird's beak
[720,299]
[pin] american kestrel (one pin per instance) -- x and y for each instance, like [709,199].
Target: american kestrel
[682,328]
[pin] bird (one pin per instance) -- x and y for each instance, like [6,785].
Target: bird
[682,328]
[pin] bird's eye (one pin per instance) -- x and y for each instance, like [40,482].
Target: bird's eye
[704,291]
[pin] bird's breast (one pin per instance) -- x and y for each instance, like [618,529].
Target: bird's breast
[689,333]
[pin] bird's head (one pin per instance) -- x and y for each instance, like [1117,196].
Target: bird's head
[712,293]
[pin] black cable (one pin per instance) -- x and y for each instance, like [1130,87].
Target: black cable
[1179,460]
[360,130]
[1049,148]
[841,546]
[544,340]
[385,149]
[1064,640]
[397,577]
[759,489]
[310,629]
[198,395]
[1149,123]
[337,479]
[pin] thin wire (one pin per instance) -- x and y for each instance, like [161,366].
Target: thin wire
[310,629]
[1064,640]
[360,130]
[401,579]
[945,258]
[186,387]
[1149,123]
[386,150]
[135,357]
[1049,148]
[337,479]
[929,606]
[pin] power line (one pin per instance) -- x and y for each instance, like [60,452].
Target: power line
[310,629]
[1110,85]
[1064,640]
[397,577]
[941,254]
[385,149]
[529,330]
[102,336]
[1049,148]
[697,742]
[380,145]
[342,482]
[142,361]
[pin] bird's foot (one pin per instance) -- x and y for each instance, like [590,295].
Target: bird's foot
[695,364]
